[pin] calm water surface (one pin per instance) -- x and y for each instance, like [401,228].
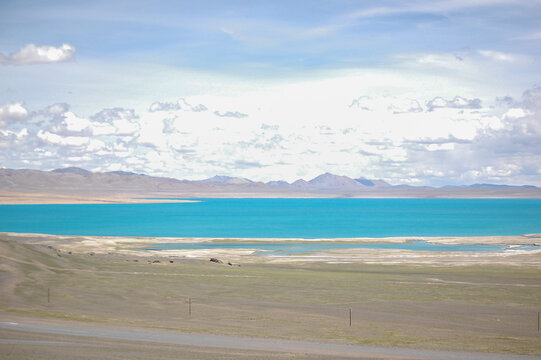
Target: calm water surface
[282,218]
[285,249]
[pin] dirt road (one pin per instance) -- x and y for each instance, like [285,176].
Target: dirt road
[227,342]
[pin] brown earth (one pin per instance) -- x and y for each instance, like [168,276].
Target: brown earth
[485,308]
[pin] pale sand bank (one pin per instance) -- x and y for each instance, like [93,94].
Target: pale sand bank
[10,198]
[131,246]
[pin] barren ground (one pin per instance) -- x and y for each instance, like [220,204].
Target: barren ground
[439,305]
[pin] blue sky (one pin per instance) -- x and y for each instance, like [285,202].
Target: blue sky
[319,83]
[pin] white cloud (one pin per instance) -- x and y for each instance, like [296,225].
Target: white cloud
[32,54]
[163,106]
[447,61]
[498,56]
[405,105]
[54,139]
[457,103]
[384,135]
[515,113]
[180,104]
[12,139]
[445,146]
[55,109]
[75,124]
[117,121]
[12,112]
[233,114]
[394,105]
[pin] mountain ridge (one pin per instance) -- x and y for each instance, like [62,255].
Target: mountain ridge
[75,180]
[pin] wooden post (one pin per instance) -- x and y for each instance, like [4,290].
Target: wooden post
[538,318]
[48,295]
[350,317]
[190,306]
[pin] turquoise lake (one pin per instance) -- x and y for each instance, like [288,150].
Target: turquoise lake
[282,218]
[284,249]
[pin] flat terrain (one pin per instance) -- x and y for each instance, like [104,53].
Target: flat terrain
[13,198]
[469,307]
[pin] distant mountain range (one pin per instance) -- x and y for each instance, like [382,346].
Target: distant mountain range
[325,181]
[74,180]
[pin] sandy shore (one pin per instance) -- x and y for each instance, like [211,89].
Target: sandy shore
[10,198]
[131,246]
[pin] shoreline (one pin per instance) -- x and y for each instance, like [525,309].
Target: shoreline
[524,239]
[9,198]
[136,197]
[126,246]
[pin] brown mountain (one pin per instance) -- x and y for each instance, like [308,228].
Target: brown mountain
[80,182]
[329,181]
[375,183]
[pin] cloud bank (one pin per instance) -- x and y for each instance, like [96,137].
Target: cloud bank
[435,141]
[32,54]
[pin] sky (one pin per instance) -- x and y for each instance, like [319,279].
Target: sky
[427,92]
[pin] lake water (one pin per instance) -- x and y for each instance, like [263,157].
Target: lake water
[284,249]
[282,218]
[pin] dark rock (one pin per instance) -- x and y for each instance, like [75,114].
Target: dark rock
[91,254]
[170,261]
[229,263]
[156,262]
[216,261]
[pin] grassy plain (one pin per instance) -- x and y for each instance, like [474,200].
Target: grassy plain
[486,308]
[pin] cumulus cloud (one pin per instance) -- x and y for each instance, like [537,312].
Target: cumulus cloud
[519,134]
[243,164]
[168,126]
[363,103]
[394,105]
[439,141]
[199,108]
[180,104]
[457,103]
[398,140]
[32,54]
[55,139]
[116,121]
[10,138]
[12,113]
[509,153]
[55,109]
[164,106]
[69,124]
[405,106]
[269,127]
[233,114]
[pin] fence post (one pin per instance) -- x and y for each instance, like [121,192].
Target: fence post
[48,295]
[190,306]
[350,317]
